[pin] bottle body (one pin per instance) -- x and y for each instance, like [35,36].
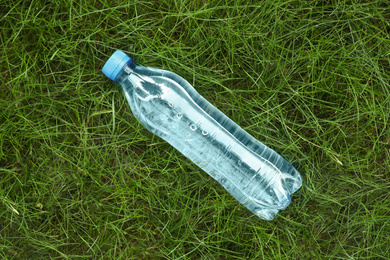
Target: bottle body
[169,107]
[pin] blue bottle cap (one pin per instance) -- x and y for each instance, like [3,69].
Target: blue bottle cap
[115,64]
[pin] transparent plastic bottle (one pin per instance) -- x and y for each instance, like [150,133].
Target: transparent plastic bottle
[168,106]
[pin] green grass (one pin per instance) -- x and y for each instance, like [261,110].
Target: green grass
[81,178]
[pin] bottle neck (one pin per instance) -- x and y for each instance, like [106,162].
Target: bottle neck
[127,69]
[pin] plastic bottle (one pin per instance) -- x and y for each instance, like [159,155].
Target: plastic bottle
[168,106]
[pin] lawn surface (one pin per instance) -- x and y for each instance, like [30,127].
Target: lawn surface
[81,178]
